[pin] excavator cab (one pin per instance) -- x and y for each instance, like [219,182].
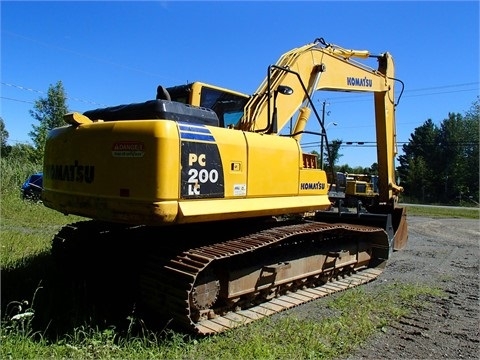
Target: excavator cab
[227,104]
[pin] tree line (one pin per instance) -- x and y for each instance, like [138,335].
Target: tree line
[439,164]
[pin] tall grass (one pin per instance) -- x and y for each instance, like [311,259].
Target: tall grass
[13,173]
[26,227]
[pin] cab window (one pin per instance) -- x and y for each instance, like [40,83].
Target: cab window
[227,106]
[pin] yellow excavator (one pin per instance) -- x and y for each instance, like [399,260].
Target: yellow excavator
[354,190]
[233,216]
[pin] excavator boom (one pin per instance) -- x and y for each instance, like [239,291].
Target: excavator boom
[321,66]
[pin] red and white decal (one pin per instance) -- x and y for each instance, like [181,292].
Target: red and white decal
[128,149]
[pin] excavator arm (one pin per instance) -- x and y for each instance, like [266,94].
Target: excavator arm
[320,66]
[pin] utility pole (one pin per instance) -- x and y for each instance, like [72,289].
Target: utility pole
[323,133]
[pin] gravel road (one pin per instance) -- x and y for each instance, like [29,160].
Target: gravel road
[440,252]
[444,253]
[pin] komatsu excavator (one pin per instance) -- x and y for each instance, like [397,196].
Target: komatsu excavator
[349,189]
[234,215]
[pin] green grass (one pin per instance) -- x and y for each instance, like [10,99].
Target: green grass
[446,212]
[360,314]
[27,228]
[32,302]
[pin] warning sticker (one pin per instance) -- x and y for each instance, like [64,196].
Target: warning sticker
[128,149]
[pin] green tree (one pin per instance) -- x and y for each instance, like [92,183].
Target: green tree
[421,149]
[49,113]
[474,111]
[360,170]
[420,180]
[373,169]
[24,153]
[4,147]
[332,154]
[471,151]
[441,163]
[451,143]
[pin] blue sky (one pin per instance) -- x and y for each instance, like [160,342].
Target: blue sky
[116,52]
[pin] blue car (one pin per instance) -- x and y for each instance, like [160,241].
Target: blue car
[32,187]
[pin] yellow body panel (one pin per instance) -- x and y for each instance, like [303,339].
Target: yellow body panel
[208,210]
[234,160]
[114,161]
[313,181]
[273,165]
[160,172]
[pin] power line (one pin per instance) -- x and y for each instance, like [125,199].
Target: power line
[20,87]
[444,86]
[88,56]
[366,97]
[373,144]
[351,98]
[25,101]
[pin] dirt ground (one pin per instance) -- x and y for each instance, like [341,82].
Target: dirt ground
[443,253]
